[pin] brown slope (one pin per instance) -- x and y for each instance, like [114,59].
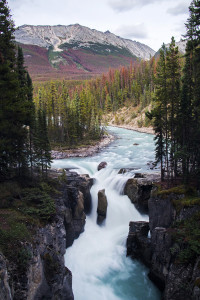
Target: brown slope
[72,64]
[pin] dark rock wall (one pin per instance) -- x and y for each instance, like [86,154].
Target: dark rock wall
[5,290]
[139,188]
[46,277]
[178,281]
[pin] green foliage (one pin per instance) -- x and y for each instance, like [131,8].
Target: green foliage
[42,149]
[178,190]
[188,196]
[37,204]
[187,235]
[23,257]
[98,48]
[177,108]
[133,115]
[116,119]
[63,177]
[55,58]
[17,111]
[29,205]
[71,117]
[13,231]
[140,122]
[74,113]
[147,121]
[8,192]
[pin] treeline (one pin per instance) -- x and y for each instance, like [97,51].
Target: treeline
[72,116]
[176,115]
[74,113]
[23,133]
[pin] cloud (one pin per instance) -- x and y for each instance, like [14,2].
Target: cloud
[180,28]
[125,5]
[180,9]
[132,31]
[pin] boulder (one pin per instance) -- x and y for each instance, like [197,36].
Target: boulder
[83,183]
[102,207]
[125,170]
[102,165]
[138,244]
[139,191]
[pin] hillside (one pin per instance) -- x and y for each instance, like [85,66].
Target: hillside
[75,51]
[130,117]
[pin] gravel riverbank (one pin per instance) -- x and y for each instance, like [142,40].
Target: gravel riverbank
[83,151]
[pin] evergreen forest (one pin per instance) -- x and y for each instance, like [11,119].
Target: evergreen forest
[24,141]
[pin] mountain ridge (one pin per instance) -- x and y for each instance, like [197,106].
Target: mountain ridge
[75,51]
[47,36]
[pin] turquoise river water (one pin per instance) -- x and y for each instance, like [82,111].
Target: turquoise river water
[97,259]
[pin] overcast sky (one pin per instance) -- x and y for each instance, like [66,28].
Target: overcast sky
[151,22]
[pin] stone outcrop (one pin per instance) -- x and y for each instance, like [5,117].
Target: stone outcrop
[45,275]
[160,252]
[161,212]
[138,243]
[138,189]
[102,207]
[102,165]
[83,183]
[77,202]
[5,290]
[48,278]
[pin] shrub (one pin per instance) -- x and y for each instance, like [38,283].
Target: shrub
[133,115]
[187,235]
[140,123]
[38,204]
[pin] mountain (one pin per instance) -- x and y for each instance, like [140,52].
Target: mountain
[75,51]
[181,47]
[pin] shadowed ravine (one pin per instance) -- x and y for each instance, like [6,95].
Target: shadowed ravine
[97,258]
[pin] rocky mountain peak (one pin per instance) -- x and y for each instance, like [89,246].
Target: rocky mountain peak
[79,36]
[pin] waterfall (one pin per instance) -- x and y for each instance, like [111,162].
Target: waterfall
[97,259]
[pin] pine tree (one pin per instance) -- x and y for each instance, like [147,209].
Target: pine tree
[160,115]
[173,92]
[7,45]
[42,149]
[193,55]
[11,130]
[17,111]
[185,120]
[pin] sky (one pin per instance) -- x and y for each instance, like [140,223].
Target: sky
[152,22]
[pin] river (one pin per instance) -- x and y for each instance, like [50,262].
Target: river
[97,259]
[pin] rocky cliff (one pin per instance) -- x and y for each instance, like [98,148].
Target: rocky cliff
[138,189]
[41,272]
[172,251]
